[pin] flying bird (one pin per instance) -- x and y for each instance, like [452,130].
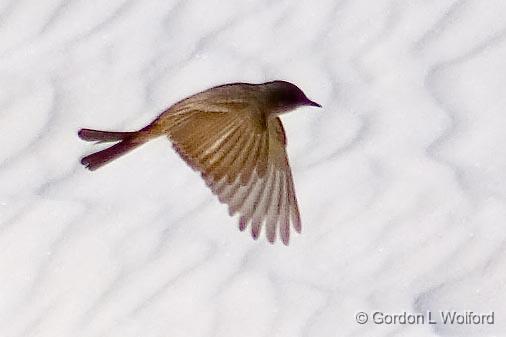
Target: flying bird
[233,136]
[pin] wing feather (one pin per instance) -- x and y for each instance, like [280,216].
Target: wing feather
[215,164]
[294,208]
[239,163]
[249,165]
[262,206]
[284,220]
[243,161]
[272,212]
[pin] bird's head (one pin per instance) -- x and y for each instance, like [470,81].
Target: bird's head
[284,96]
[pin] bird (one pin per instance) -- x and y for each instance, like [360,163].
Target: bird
[232,135]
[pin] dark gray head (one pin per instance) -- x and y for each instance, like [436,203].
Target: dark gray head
[285,96]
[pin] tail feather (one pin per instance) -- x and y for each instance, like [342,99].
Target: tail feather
[100,158]
[91,135]
[127,142]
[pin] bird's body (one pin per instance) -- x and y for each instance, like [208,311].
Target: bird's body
[233,136]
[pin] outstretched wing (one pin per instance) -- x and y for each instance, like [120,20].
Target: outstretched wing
[242,158]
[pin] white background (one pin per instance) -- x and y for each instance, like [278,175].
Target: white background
[401,177]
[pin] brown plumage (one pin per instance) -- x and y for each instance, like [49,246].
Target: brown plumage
[233,136]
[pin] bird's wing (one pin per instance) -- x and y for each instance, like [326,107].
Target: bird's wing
[242,157]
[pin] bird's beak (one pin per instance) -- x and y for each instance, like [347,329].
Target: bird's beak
[311,103]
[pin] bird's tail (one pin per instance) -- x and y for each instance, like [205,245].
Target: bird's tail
[127,142]
[103,136]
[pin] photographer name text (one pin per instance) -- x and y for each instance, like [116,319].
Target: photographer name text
[445,317]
